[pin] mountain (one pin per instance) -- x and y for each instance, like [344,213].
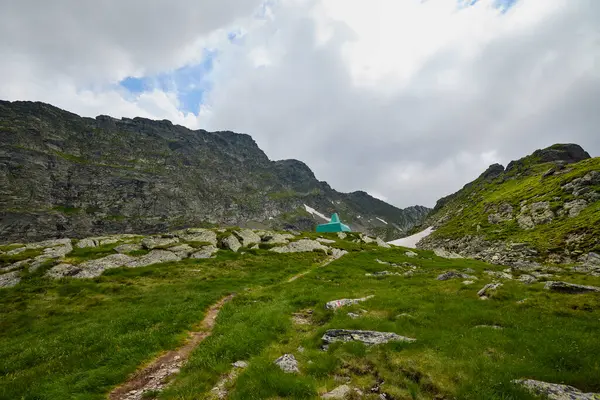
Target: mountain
[62,175]
[543,208]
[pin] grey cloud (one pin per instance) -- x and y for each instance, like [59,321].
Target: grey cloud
[524,91]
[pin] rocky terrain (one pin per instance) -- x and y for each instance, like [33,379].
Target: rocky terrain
[541,209]
[66,176]
[234,313]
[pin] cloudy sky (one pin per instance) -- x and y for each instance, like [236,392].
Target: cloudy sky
[406,99]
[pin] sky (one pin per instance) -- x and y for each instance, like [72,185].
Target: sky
[405,99]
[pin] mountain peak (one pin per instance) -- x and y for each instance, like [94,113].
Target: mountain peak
[567,153]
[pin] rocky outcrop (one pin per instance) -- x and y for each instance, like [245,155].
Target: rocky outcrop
[301,246]
[564,153]
[206,252]
[366,337]
[89,269]
[154,257]
[232,243]
[155,242]
[554,391]
[454,275]
[10,279]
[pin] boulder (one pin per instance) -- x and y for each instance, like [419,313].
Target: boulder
[499,274]
[525,222]
[277,238]
[340,393]
[326,241]
[154,257]
[247,237]
[91,268]
[87,242]
[335,304]
[410,254]
[288,363]
[232,243]
[240,364]
[342,235]
[527,279]
[565,287]
[182,250]
[16,251]
[366,337]
[303,245]
[453,274]
[440,252]
[504,213]
[366,239]
[541,212]
[10,279]
[205,252]
[151,243]
[575,207]
[554,391]
[128,248]
[198,235]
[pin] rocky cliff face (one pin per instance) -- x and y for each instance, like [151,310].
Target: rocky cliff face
[544,208]
[62,175]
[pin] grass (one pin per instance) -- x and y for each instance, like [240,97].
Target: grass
[79,338]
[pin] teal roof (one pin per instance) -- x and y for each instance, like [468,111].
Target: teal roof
[334,225]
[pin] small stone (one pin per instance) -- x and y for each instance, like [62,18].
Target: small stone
[486,291]
[288,363]
[326,241]
[410,254]
[240,364]
[232,243]
[527,279]
[353,315]
[332,305]
[468,282]
[453,274]
[339,392]
[383,244]
[342,235]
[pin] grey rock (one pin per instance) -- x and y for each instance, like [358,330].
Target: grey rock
[240,364]
[90,269]
[440,252]
[591,259]
[339,393]
[205,252]
[525,222]
[342,235]
[151,243]
[504,213]
[527,279]
[575,207]
[16,251]
[366,239]
[88,242]
[128,248]
[554,391]
[287,363]
[303,245]
[488,290]
[453,274]
[353,315]
[499,274]
[232,243]
[565,287]
[14,266]
[154,257]
[49,243]
[247,237]
[277,238]
[182,250]
[383,244]
[326,241]
[198,235]
[541,212]
[468,282]
[410,254]
[335,304]
[382,273]
[366,337]
[10,279]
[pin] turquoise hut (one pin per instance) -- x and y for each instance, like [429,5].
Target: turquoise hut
[333,226]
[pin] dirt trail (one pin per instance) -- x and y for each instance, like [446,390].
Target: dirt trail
[154,376]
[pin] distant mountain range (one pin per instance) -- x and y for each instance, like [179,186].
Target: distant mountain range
[62,175]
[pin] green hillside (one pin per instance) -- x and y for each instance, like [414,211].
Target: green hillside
[552,209]
[71,338]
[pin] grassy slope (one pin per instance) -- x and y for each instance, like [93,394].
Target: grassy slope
[547,237]
[78,338]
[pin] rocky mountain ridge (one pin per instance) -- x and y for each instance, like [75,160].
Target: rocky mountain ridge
[62,175]
[543,208]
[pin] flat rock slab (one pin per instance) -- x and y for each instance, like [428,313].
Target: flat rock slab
[366,337]
[335,304]
[205,252]
[10,279]
[198,235]
[128,248]
[446,254]
[340,392]
[488,289]
[565,287]
[554,391]
[89,269]
[288,363]
[453,274]
[151,243]
[154,257]
[301,246]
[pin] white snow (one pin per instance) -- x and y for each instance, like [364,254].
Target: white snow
[381,220]
[411,241]
[315,212]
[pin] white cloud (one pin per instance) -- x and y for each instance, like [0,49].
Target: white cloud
[406,99]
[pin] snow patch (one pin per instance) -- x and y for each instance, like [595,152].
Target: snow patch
[381,220]
[411,241]
[315,212]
